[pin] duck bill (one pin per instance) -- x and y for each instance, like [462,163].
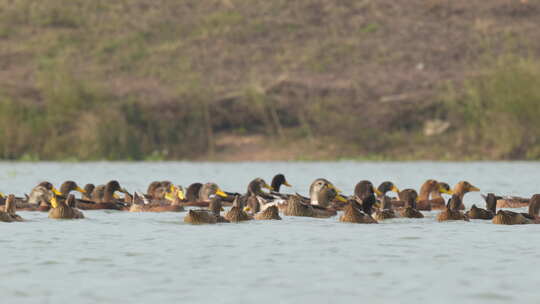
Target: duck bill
[2,195]
[269,187]
[169,197]
[81,190]
[474,189]
[341,198]
[395,189]
[379,193]
[220,192]
[247,209]
[180,194]
[55,191]
[331,186]
[54,202]
[446,191]
[287,184]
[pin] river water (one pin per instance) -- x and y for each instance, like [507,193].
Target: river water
[120,257]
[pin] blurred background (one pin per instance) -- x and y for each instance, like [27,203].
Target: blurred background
[269,80]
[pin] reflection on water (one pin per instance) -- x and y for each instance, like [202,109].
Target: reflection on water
[124,257]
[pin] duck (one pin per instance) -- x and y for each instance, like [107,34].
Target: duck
[255,198]
[106,199]
[484,214]
[175,205]
[205,192]
[353,214]
[359,209]
[270,213]
[410,197]
[237,213]
[42,194]
[452,212]
[325,196]
[386,211]
[9,214]
[64,209]
[204,216]
[297,205]
[507,217]
[430,197]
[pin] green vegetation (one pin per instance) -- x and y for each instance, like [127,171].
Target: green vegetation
[501,108]
[232,79]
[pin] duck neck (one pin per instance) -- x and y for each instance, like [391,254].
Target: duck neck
[108,195]
[425,191]
[276,184]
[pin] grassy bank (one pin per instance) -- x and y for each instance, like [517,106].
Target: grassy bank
[233,80]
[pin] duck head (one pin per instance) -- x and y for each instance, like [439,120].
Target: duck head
[192,192]
[279,180]
[255,186]
[50,187]
[89,188]
[69,186]
[464,187]
[443,187]
[317,186]
[387,187]
[209,189]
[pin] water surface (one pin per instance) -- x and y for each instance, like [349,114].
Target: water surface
[117,257]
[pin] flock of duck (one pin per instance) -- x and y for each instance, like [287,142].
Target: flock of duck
[368,204]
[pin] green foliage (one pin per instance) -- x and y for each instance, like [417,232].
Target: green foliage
[501,106]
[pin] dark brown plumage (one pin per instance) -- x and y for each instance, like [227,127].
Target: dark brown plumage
[484,214]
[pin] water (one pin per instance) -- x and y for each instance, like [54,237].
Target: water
[114,257]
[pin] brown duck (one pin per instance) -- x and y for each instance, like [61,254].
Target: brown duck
[206,191]
[64,209]
[484,214]
[452,212]
[506,217]
[9,214]
[237,213]
[410,196]
[386,210]
[430,196]
[360,208]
